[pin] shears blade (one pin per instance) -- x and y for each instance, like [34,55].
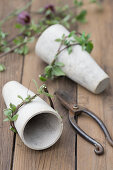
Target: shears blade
[66,100]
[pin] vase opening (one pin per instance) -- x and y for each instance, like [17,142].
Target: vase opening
[42,131]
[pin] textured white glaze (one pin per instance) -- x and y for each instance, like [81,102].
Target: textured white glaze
[79,65]
[38,125]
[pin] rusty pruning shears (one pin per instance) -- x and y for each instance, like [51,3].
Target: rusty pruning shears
[76,110]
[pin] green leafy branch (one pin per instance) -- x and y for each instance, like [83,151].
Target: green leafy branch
[49,15]
[55,68]
[11,112]
[18,44]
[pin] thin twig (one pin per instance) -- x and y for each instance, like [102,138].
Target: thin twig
[17,35]
[10,40]
[50,100]
[58,50]
[16,46]
[12,49]
[67,47]
[24,102]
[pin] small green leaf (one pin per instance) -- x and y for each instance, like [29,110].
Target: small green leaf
[7,112]
[89,47]
[71,34]
[59,64]
[66,18]
[33,26]
[69,49]
[67,42]
[81,16]
[48,12]
[13,129]
[48,68]
[78,3]
[79,39]
[7,49]
[48,71]
[57,71]
[41,10]
[25,50]
[28,99]
[19,26]
[18,40]
[28,33]
[4,43]
[41,89]
[6,120]
[2,34]
[20,97]
[13,107]
[14,118]
[42,78]
[58,40]
[2,68]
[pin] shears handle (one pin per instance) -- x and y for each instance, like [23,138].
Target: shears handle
[98,147]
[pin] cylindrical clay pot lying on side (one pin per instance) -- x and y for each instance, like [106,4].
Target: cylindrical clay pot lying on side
[38,125]
[79,65]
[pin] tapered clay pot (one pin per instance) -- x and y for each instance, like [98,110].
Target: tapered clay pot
[38,125]
[79,65]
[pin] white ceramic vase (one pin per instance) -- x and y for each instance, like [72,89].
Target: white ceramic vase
[38,125]
[79,65]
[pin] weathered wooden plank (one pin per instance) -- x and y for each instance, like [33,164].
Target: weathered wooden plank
[13,72]
[100,26]
[62,154]
[14,65]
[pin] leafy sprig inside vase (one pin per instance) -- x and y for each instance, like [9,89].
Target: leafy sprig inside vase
[28,30]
